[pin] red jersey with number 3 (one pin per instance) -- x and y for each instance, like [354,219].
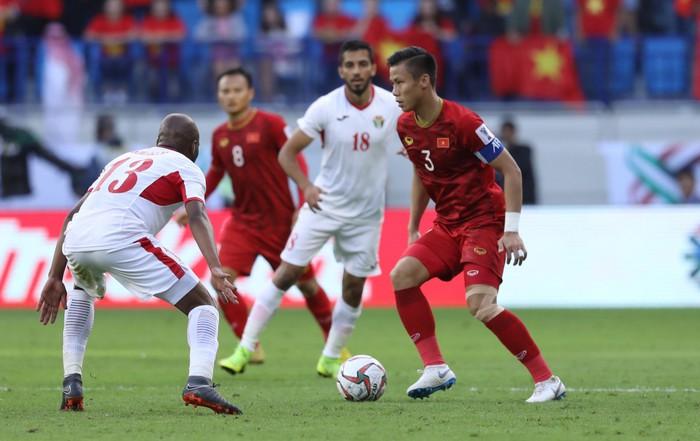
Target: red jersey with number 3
[135,196]
[247,152]
[451,159]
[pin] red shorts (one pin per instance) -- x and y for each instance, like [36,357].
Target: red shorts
[241,244]
[469,248]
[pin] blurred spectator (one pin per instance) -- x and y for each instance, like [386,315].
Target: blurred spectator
[114,32]
[536,17]
[596,26]
[331,27]
[9,13]
[485,17]
[686,11]
[162,32]
[627,20]
[522,154]
[430,27]
[656,17]
[16,146]
[597,19]
[77,14]
[36,14]
[372,24]
[433,22]
[279,65]
[62,86]
[686,183]
[224,29]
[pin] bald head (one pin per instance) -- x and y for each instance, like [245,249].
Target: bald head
[179,132]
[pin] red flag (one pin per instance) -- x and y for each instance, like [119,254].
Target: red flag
[535,67]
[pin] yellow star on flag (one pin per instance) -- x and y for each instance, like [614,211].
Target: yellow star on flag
[548,63]
[595,7]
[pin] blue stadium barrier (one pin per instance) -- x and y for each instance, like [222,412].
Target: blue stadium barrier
[665,66]
[624,62]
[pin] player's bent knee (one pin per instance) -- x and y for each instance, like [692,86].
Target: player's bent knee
[287,275]
[308,288]
[408,273]
[481,301]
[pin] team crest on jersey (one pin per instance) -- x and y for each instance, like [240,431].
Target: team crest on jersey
[223,142]
[252,137]
[443,143]
[408,140]
[480,251]
[378,121]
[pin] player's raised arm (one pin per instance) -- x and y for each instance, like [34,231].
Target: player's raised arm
[419,201]
[511,242]
[54,293]
[290,164]
[204,236]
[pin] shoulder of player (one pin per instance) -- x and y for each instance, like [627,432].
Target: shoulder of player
[270,117]
[220,129]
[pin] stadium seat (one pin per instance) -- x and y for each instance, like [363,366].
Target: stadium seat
[665,66]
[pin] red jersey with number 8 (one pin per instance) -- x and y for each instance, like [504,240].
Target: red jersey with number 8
[135,196]
[451,159]
[247,152]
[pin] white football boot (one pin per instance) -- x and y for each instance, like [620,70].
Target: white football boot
[548,390]
[436,377]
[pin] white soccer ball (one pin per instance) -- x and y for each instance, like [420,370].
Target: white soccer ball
[361,378]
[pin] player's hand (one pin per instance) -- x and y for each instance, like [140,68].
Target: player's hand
[180,216]
[413,235]
[312,195]
[53,296]
[226,291]
[514,248]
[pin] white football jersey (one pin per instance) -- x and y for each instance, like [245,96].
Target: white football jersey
[135,195]
[355,144]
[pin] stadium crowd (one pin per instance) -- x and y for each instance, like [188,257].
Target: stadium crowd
[118,51]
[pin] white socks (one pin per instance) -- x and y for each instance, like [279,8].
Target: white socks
[344,318]
[202,336]
[260,314]
[77,325]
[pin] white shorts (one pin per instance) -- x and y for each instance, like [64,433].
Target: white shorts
[356,246]
[144,268]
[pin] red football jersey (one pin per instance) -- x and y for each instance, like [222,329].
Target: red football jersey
[248,152]
[449,157]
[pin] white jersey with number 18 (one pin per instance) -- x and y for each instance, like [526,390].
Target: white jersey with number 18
[135,195]
[355,143]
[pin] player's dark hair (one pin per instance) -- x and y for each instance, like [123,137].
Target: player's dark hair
[418,61]
[352,46]
[685,171]
[236,71]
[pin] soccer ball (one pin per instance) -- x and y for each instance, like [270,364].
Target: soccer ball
[361,378]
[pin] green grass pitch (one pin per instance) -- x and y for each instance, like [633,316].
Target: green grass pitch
[631,374]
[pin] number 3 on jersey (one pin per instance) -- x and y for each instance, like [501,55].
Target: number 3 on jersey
[428,162]
[237,153]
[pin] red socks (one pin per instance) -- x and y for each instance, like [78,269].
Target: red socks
[320,307]
[236,314]
[516,338]
[417,318]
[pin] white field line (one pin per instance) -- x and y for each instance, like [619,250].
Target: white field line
[583,390]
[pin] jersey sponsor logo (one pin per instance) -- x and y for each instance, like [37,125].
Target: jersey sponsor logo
[343,117]
[378,121]
[480,251]
[443,143]
[223,142]
[252,137]
[408,140]
[472,273]
[484,134]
